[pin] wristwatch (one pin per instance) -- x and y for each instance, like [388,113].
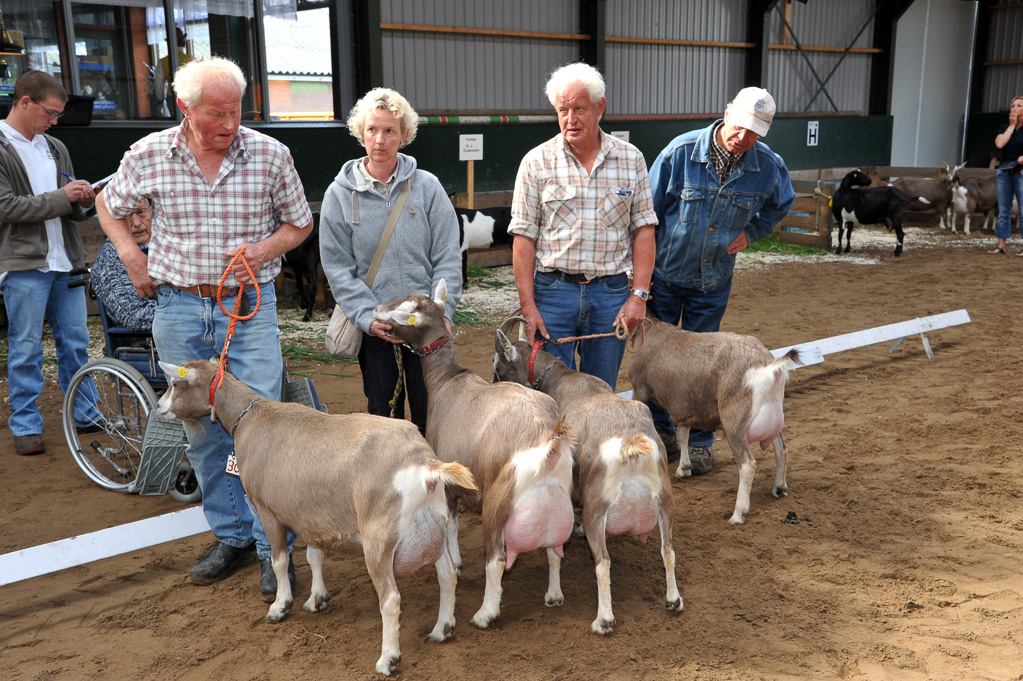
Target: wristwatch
[641,294]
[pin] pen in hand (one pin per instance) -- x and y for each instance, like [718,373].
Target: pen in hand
[66,175]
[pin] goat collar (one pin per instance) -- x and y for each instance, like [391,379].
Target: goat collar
[429,349]
[241,415]
[537,344]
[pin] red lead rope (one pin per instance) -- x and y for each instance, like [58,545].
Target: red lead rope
[218,377]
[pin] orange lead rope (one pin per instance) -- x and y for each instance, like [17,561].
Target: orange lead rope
[218,377]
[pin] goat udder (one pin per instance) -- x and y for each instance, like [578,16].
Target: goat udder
[542,518]
[766,425]
[422,545]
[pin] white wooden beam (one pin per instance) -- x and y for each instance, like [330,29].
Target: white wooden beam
[113,541]
[883,334]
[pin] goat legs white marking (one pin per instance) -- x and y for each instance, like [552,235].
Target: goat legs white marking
[554,596]
[452,538]
[447,578]
[491,608]
[605,622]
[781,467]
[672,598]
[381,571]
[318,595]
[685,466]
[747,464]
[279,609]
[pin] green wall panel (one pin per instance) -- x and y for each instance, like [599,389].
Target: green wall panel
[320,149]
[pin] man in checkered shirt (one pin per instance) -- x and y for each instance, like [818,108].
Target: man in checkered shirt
[583,218]
[215,189]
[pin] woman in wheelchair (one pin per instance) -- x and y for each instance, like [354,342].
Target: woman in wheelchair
[112,285]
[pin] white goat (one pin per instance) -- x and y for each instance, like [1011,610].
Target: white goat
[354,483]
[511,439]
[623,483]
[706,380]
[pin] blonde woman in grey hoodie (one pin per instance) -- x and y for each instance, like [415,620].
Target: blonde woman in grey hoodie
[422,250]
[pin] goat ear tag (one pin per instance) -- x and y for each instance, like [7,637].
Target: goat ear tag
[411,320]
[182,372]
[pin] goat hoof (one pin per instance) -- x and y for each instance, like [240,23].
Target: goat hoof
[275,614]
[603,627]
[737,519]
[686,472]
[554,601]
[780,492]
[445,634]
[483,622]
[386,666]
[674,606]
[316,603]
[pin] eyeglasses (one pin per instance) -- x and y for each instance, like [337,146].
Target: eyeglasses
[50,113]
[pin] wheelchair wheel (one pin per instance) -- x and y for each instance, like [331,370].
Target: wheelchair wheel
[185,487]
[110,457]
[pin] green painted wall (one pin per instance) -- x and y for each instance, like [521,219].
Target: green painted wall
[981,133]
[320,149]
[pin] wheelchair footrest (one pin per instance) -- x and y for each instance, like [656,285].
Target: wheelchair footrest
[163,446]
[301,391]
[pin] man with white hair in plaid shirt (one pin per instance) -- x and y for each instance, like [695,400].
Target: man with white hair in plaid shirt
[216,189]
[583,218]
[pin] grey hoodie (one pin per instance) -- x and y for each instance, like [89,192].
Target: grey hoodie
[423,248]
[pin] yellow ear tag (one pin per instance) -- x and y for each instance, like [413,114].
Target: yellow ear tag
[445,298]
[411,321]
[182,372]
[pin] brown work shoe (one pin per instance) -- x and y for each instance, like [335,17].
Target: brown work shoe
[27,445]
[702,458]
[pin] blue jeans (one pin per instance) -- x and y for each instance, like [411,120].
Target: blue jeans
[187,327]
[697,310]
[580,310]
[30,296]
[1008,184]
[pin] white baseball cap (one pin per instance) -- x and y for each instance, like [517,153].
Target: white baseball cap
[753,108]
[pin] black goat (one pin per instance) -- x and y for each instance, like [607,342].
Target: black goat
[481,228]
[878,205]
[304,261]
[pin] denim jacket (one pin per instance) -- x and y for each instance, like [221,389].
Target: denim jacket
[698,217]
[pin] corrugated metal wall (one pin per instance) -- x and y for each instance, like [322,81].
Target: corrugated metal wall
[674,79]
[819,24]
[450,72]
[447,72]
[1005,43]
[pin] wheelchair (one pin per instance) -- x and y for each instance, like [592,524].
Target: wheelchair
[131,448]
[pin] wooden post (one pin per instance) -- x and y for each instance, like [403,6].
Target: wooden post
[469,185]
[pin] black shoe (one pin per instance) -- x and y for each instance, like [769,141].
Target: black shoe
[670,441]
[91,428]
[268,580]
[702,459]
[220,562]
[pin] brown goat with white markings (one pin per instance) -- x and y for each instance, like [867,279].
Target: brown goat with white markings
[353,483]
[711,380]
[622,483]
[509,436]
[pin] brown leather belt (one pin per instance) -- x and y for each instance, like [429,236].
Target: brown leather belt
[205,290]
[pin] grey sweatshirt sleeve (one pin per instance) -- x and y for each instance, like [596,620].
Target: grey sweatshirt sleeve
[339,263]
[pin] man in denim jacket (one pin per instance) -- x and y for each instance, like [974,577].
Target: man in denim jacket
[716,191]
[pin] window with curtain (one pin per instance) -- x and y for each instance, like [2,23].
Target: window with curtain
[298,62]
